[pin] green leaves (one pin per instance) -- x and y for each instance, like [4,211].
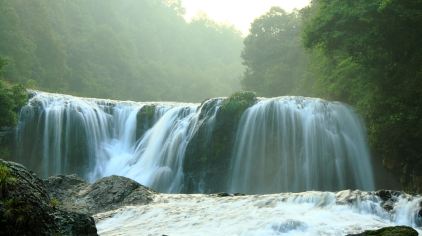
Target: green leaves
[273,54]
[368,53]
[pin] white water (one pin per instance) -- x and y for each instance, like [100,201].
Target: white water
[298,144]
[282,144]
[108,131]
[309,213]
[157,159]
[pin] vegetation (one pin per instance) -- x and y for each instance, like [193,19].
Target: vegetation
[12,98]
[54,202]
[6,181]
[365,53]
[273,54]
[144,119]
[237,103]
[130,49]
[208,153]
[391,231]
[369,54]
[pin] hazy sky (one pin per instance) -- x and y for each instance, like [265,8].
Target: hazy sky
[239,13]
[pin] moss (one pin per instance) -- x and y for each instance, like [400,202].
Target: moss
[208,154]
[391,231]
[54,202]
[145,119]
[7,180]
[17,212]
[237,103]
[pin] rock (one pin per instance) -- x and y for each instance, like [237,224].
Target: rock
[223,195]
[386,195]
[389,231]
[72,223]
[106,194]
[389,198]
[27,209]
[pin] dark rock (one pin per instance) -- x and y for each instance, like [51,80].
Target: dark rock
[208,153]
[223,195]
[418,217]
[106,194]
[72,223]
[388,197]
[384,194]
[145,119]
[389,231]
[26,207]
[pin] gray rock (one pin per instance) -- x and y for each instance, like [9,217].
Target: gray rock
[106,194]
[27,209]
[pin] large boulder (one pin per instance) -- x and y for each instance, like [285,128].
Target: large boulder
[106,194]
[26,208]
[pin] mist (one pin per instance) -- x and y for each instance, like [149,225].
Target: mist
[130,49]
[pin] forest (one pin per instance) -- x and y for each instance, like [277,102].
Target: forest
[138,50]
[363,53]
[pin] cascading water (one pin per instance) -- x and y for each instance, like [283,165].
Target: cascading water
[282,144]
[298,144]
[92,137]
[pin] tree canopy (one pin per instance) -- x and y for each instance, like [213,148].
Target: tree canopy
[365,53]
[273,54]
[369,55]
[130,49]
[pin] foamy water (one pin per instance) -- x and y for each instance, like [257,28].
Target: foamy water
[309,213]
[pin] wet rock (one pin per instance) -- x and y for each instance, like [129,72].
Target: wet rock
[72,223]
[106,194]
[223,195]
[26,208]
[389,231]
[418,217]
[389,198]
[386,195]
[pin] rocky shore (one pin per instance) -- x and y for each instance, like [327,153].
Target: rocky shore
[66,204]
[26,207]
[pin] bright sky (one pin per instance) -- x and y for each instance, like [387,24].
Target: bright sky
[239,13]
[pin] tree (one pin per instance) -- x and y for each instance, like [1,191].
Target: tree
[369,55]
[11,100]
[273,54]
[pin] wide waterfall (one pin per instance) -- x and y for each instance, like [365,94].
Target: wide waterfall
[279,144]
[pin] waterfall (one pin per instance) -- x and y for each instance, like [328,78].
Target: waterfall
[280,144]
[95,138]
[298,144]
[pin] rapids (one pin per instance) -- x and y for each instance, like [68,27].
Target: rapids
[307,213]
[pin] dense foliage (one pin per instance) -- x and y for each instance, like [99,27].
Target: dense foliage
[273,54]
[374,62]
[12,98]
[130,49]
[365,53]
